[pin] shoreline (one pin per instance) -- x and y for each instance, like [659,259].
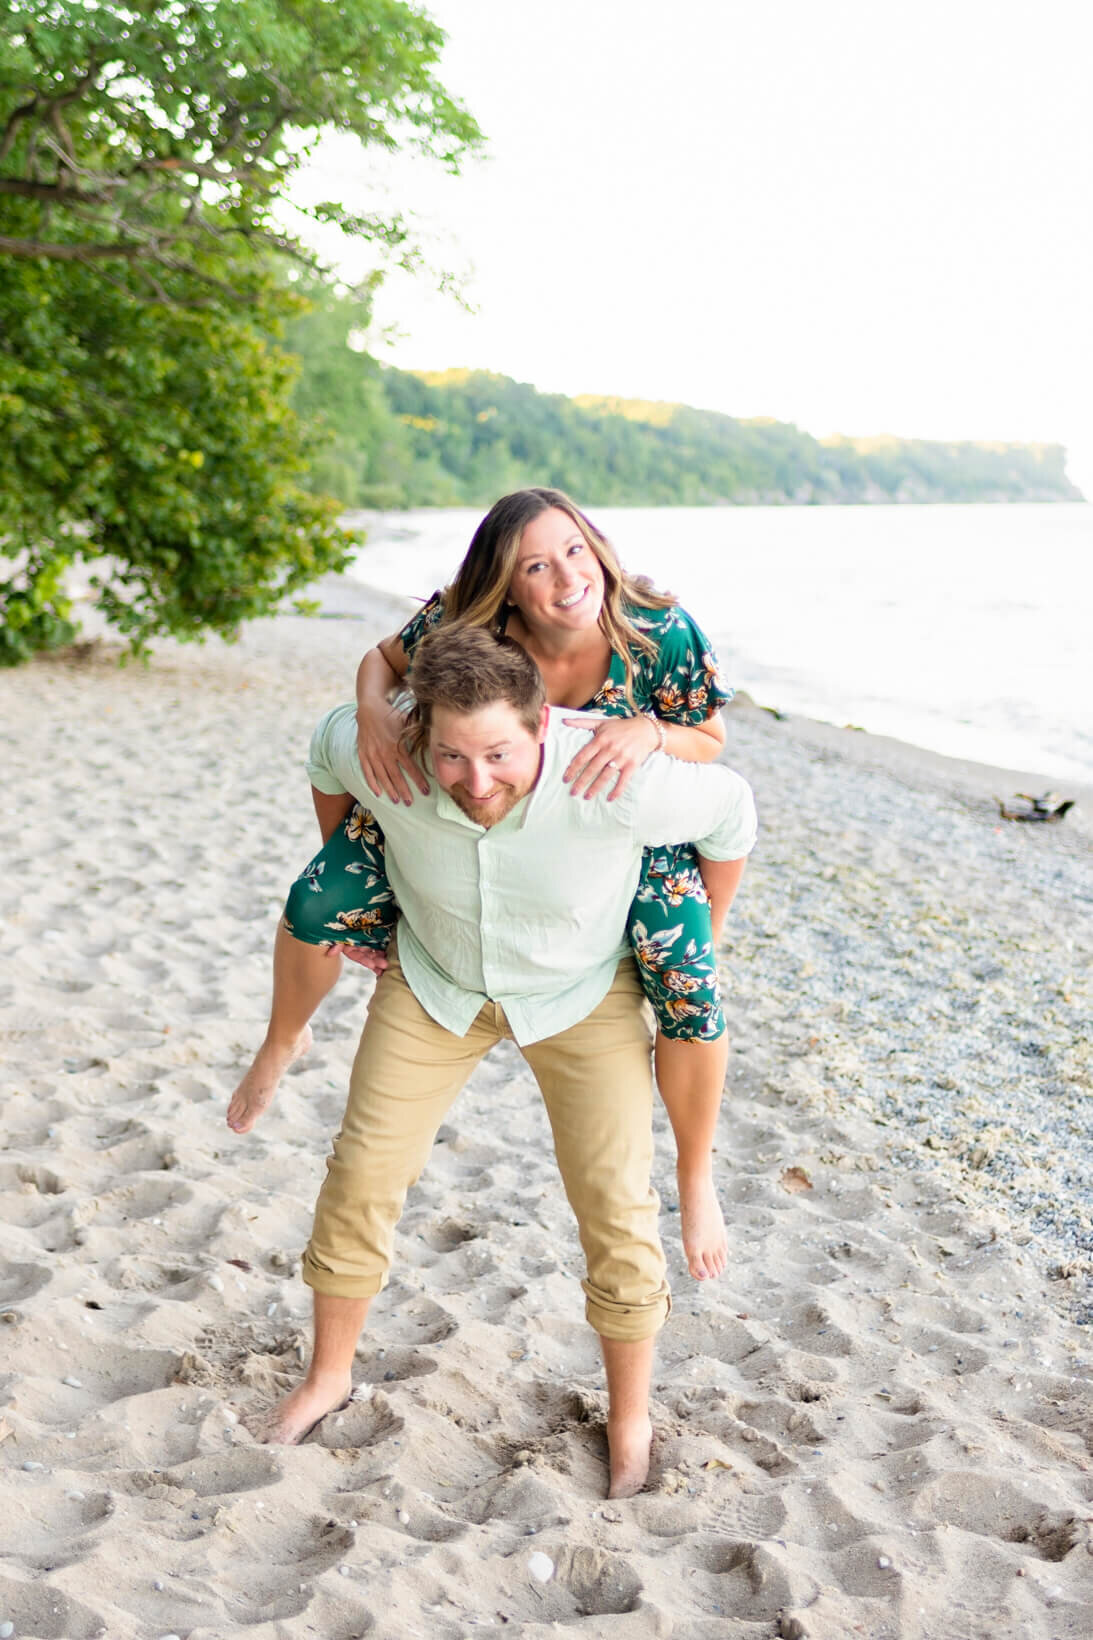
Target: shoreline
[877,1421]
[343,598]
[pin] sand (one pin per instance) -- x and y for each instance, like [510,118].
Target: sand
[877,1423]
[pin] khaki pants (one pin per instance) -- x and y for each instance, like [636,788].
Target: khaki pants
[596,1082]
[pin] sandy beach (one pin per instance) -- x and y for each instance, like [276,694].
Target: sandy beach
[878,1423]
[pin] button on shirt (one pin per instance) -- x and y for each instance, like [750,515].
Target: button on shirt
[530,913]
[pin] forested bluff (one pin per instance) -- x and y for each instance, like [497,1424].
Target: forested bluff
[463,437]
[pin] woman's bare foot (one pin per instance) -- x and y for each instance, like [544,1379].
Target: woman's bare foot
[629,1443]
[293,1418]
[255,1092]
[705,1242]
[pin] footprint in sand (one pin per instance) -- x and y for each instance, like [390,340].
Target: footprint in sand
[812,1328]
[368,1421]
[224,1474]
[422,1524]
[991,1505]
[141,1199]
[586,1583]
[750,1445]
[450,1234]
[719,1337]
[81,1065]
[781,1419]
[132,1273]
[824,1520]
[141,1152]
[416,1321]
[60,1535]
[522,1495]
[392,1366]
[31,1195]
[264,1566]
[40,1609]
[754,1582]
[18,1282]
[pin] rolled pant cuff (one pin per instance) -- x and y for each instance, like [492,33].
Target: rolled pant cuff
[321,1279]
[626,1323]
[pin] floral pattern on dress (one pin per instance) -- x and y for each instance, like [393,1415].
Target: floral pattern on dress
[355,850]
[429,615]
[682,682]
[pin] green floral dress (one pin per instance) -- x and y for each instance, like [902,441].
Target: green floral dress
[343,895]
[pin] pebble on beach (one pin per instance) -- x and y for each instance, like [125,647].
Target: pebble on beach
[540,1567]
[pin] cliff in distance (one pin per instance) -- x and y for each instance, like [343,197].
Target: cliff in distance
[397,438]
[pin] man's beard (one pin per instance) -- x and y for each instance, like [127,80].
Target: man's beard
[490,812]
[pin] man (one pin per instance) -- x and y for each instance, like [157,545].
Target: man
[514,900]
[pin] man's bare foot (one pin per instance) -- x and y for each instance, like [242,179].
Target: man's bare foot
[292,1419]
[629,1443]
[704,1239]
[255,1092]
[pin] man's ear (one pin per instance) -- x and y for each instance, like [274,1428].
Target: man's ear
[544,719]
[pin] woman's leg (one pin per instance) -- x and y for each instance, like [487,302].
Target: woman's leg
[302,976]
[341,899]
[691,1078]
[672,937]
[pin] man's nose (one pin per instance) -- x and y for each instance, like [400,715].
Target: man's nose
[479,780]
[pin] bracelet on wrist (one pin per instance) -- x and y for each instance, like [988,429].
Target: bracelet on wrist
[662,735]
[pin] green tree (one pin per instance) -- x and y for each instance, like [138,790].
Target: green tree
[365,458]
[144,399]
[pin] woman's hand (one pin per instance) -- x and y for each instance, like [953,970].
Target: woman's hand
[385,762]
[617,746]
[364,956]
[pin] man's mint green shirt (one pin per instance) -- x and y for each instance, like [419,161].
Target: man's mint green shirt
[530,913]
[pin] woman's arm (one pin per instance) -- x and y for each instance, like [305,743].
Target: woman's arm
[380,672]
[331,809]
[619,745]
[384,761]
[694,743]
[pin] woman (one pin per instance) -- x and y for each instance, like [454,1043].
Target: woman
[538,570]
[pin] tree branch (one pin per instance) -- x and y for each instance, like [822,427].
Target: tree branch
[69,252]
[47,106]
[18,117]
[68,151]
[57,193]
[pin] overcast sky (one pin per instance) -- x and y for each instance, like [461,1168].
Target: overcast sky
[863,216]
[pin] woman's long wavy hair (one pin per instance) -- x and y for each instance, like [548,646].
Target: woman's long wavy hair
[478,594]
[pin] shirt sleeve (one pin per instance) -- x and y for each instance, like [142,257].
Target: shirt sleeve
[701,803]
[429,615]
[687,684]
[332,762]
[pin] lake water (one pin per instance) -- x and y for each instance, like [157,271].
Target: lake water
[965,629]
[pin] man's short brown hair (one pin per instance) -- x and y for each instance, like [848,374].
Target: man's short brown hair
[466,668]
